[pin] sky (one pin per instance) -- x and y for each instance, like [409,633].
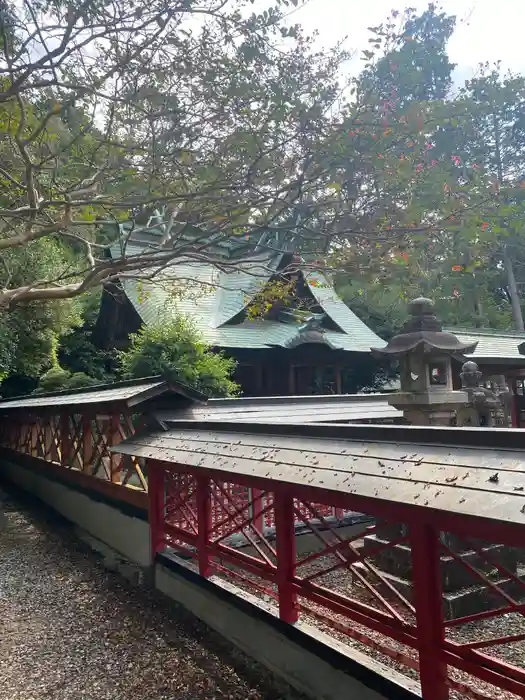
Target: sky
[487,30]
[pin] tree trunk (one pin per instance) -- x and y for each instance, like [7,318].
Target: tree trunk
[478,306]
[517,313]
[497,139]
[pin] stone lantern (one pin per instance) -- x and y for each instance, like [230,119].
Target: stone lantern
[487,407]
[425,352]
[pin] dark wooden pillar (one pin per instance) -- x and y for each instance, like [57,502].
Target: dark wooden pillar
[115,459]
[260,379]
[66,444]
[291,380]
[87,443]
[514,402]
[338,379]
[286,555]
[427,593]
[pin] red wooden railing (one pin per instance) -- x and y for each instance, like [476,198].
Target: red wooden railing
[338,583]
[332,575]
[81,444]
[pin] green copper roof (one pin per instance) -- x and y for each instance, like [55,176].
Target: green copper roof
[491,344]
[213,298]
[237,288]
[334,306]
[152,235]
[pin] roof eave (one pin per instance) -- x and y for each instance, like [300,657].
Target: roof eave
[424,346]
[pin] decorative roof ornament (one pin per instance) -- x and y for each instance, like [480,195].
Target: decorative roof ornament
[423,332]
[304,320]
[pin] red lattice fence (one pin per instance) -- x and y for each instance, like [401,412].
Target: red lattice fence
[382,587]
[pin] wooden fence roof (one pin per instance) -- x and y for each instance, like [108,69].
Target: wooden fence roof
[459,470]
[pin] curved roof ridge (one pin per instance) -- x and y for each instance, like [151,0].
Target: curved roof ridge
[332,304]
[237,288]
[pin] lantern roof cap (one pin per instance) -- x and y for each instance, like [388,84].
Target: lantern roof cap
[423,332]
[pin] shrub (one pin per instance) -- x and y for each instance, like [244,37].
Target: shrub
[59,379]
[54,379]
[80,379]
[175,349]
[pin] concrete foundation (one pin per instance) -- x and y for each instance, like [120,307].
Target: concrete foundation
[126,535]
[309,660]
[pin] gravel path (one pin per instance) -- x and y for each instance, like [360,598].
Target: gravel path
[71,630]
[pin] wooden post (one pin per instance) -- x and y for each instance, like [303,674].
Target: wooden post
[514,412]
[260,379]
[426,578]
[256,508]
[87,443]
[49,441]
[286,555]
[18,437]
[338,380]
[34,439]
[156,497]
[113,439]
[291,380]
[54,427]
[65,440]
[204,524]
[24,437]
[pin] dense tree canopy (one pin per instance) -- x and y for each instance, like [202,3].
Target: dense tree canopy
[226,121]
[462,175]
[205,109]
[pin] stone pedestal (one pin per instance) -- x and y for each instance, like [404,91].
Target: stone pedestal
[437,407]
